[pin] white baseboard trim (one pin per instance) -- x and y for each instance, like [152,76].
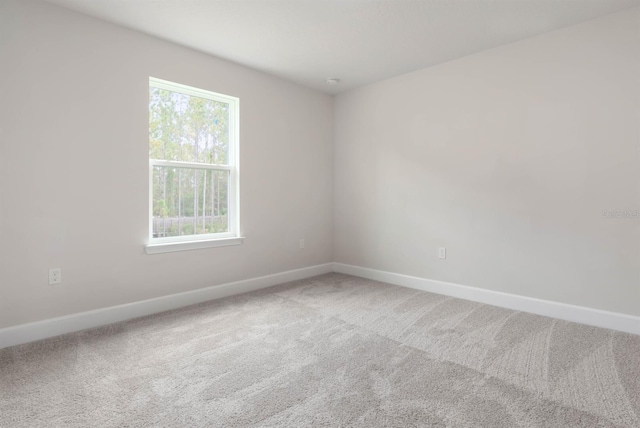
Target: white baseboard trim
[579,314]
[30,332]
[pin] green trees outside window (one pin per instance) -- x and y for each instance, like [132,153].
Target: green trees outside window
[190,152]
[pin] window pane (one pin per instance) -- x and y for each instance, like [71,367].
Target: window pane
[189,201]
[187,128]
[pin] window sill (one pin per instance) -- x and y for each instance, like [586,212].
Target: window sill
[169,247]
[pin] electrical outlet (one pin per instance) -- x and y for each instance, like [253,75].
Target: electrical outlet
[442,253]
[302,243]
[55,276]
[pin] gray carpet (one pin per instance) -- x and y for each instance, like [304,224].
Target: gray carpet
[335,351]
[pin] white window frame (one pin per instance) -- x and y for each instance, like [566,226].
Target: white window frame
[191,242]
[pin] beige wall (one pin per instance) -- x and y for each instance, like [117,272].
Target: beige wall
[74,167]
[507,158]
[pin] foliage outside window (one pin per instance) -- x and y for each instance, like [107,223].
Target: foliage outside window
[193,163]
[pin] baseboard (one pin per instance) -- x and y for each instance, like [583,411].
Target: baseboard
[30,332]
[579,314]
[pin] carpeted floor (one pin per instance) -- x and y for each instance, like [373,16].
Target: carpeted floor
[335,351]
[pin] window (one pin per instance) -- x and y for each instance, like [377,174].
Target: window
[193,168]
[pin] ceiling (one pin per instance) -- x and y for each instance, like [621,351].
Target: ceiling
[358,41]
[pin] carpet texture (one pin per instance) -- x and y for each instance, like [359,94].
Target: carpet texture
[334,351]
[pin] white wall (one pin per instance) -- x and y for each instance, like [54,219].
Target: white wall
[74,167]
[508,158]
